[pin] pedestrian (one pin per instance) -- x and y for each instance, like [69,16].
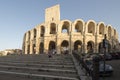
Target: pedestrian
[49,54]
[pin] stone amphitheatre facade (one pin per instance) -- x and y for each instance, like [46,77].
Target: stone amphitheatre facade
[61,35]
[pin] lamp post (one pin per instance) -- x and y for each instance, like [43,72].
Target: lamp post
[105,45]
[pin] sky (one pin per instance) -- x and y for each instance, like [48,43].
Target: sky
[19,16]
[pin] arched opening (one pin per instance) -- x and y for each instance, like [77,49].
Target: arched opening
[65,27]
[65,47]
[52,28]
[35,33]
[109,32]
[101,29]
[91,28]
[90,47]
[100,47]
[52,46]
[28,49]
[34,48]
[79,27]
[41,48]
[109,47]
[78,46]
[42,31]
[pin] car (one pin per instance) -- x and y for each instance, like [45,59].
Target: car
[108,68]
[115,55]
[107,56]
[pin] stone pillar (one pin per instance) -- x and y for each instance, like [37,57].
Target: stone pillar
[84,44]
[31,48]
[37,46]
[58,48]
[96,44]
[85,48]
[26,48]
[46,45]
[37,40]
[72,45]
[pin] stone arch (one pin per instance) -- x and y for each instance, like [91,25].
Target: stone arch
[53,28]
[52,45]
[109,47]
[64,46]
[90,46]
[78,45]
[100,47]
[101,28]
[109,32]
[91,26]
[42,31]
[79,26]
[41,47]
[65,27]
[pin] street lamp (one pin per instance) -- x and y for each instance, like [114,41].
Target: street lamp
[105,45]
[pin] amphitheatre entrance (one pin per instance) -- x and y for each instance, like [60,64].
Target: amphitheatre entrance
[65,47]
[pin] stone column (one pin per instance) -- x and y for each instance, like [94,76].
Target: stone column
[26,48]
[85,47]
[37,46]
[58,48]
[95,43]
[31,47]
[46,45]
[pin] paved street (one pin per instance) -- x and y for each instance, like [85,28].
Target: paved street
[116,74]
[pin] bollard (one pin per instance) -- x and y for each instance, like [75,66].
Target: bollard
[95,73]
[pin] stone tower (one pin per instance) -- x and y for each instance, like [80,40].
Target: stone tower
[52,14]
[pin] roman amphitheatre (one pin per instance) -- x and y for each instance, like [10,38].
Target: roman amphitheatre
[65,35]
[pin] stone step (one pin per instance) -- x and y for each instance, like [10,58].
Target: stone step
[38,62]
[37,56]
[35,59]
[49,60]
[28,76]
[38,65]
[60,67]
[36,69]
[45,71]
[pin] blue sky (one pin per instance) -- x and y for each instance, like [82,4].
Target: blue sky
[19,16]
